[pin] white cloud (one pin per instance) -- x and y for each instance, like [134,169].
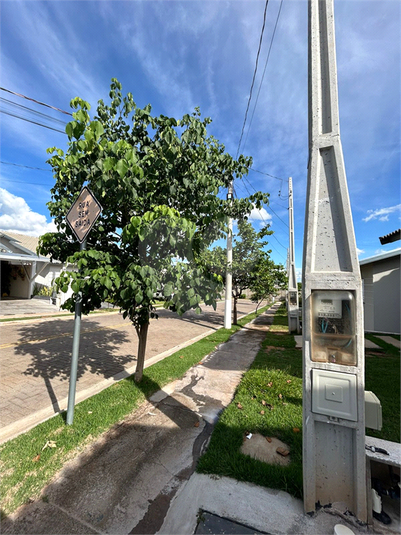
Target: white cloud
[16,216]
[381,213]
[359,251]
[260,215]
[382,251]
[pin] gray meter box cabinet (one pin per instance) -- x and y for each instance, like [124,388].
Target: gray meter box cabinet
[373,411]
[334,394]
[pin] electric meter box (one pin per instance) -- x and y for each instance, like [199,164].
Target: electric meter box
[333,327]
[373,411]
[292,297]
[334,394]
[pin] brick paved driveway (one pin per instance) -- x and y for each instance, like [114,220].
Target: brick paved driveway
[36,358]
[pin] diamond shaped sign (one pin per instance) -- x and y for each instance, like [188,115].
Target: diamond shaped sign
[83,214]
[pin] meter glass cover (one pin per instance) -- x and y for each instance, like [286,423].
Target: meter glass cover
[333,327]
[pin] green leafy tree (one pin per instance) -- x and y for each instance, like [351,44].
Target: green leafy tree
[248,257]
[157,180]
[268,280]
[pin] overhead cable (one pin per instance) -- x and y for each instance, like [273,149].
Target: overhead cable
[26,166]
[31,110]
[267,174]
[264,71]
[33,122]
[34,100]
[270,208]
[254,76]
[30,183]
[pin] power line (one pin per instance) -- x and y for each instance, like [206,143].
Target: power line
[26,166]
[254,76]
[270,244]
[264,71]
[270,208]
[33,100]
[31,110]
[267,174]
[33,122]
[249,193]
[30,183]
[284,198]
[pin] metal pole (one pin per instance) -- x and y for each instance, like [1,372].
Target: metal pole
[75,353]
[227,306]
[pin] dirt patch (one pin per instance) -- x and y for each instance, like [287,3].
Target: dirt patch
[375,354]
[258,447]
[271,348]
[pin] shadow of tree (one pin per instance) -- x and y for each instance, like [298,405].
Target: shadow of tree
[208,317]
[146,455]
[50,347]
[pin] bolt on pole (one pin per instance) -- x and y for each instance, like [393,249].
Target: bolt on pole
[75,352]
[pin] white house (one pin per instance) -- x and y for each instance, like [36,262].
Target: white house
[381,291]
[22,267]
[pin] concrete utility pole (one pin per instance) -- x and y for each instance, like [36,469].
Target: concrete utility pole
[334,466]
[292,300]
[229,278]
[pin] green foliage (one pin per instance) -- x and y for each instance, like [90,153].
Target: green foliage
[40,289]
[157,179]
[251,266]
[269,278]
[382,373]
[247,252]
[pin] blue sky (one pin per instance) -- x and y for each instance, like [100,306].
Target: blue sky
[176,55]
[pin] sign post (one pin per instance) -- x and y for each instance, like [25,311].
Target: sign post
[81,218]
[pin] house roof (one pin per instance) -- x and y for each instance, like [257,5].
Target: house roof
[382,256]
[27,242]
[26,246]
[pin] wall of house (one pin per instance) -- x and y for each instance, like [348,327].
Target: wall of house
[368,297]
[46,274]
[382,295]
[386,283]
[20,286]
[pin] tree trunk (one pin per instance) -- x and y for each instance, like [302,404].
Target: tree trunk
[235,311]
[142,336]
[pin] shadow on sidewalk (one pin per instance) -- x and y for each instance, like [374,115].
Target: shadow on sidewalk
[51,358]
[137,459]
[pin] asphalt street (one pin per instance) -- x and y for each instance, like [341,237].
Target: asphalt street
[36,357]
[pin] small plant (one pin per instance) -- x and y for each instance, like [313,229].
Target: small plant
[41,290]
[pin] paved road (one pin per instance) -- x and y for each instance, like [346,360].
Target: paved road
[36,358]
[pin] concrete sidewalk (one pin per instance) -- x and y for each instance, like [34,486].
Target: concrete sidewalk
[36,358]
[139,477]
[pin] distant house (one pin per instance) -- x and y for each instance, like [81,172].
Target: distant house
[381,292]
[22,268]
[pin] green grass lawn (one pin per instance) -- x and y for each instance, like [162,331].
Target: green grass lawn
[25,467]
[382,376]
[276,377]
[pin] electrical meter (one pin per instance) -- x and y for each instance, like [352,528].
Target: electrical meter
[292,298]
[333,327]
